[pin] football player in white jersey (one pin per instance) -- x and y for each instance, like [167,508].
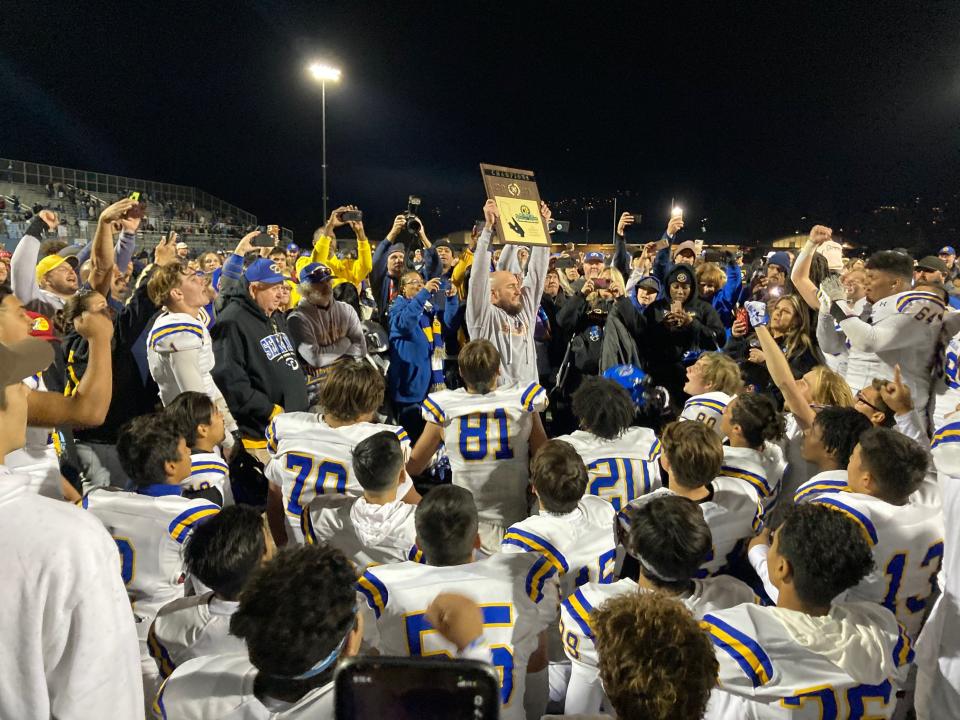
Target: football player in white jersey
[938,648]
[670,540]
[828,445]
[946,387]
[179,347]
[904,325]
[518,594]
[621,460]
[752,424]
[488,433]
[310,453]
[376,528]
[809,657]
[69,648]
[575,532]
[221,553]
[692,456]
[293,642]
[87,406]
[901,514]
[712,381]
[198,419]
[151,524]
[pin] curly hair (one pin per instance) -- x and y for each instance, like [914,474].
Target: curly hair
[840,431]
[827,552]
[295,610]
[758,418]
[604,407]
[656,662]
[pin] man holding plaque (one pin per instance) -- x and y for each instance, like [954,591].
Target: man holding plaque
[503,309]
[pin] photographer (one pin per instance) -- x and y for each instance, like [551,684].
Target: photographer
[325,246]
[389,262]
[416,348]
[678,327]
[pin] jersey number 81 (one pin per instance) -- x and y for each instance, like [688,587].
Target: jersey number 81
[475,430]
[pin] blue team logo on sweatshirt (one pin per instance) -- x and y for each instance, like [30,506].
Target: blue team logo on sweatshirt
[277,345]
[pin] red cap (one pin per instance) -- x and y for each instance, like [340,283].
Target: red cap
[41,326]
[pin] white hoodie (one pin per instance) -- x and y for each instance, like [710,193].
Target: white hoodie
[365,532]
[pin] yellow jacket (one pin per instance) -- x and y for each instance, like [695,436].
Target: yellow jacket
[354,271]
[458,276]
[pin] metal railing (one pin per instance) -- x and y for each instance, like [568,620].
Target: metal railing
[110,187]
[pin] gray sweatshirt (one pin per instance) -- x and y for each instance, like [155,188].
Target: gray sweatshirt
[512,335]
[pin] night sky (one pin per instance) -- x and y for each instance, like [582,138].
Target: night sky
[752,115]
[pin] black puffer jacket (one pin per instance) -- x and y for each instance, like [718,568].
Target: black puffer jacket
[666,347]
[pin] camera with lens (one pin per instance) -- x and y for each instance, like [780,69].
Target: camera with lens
[413,224]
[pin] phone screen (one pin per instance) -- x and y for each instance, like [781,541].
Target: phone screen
[676,307]
[415,688]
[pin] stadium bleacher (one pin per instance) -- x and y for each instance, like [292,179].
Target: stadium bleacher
[199,218]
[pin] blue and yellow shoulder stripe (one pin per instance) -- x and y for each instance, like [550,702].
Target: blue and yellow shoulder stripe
[271,436]
[530,542]
[202,467]
[757,481]
[655,449]
[529,396]
[164,332]
[538,576]
[402,436]
[159,653]
[810,490]
[416,554]
[708,403]
[374,591]
[158,709]
[903,650]
[580,609]
[917,295]
[432,409]
[862,520]
[183,523]
[745,651]
[949,433]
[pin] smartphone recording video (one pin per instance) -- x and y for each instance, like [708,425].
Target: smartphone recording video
[415,688]
[601,283]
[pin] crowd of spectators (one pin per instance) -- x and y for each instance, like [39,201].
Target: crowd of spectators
[660,483]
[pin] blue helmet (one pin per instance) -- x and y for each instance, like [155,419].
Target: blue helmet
[639,385]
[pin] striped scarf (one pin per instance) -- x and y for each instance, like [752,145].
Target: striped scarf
[430,324]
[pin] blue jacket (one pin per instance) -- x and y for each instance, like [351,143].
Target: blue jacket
[726,298]
[408,379]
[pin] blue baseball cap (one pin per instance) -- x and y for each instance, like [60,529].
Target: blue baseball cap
[315,273]
[781,259]
[594,257]
[293,247]
[264,270]
[947,250]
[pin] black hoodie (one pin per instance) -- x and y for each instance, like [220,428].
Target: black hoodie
[256,366]
[666,346]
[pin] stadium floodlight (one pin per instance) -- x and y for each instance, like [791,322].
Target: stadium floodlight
[323,73]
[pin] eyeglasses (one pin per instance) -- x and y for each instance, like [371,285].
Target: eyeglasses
[861,398]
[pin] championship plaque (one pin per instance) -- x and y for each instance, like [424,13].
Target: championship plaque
[518,200]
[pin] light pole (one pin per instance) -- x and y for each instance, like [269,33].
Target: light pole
[322,73]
